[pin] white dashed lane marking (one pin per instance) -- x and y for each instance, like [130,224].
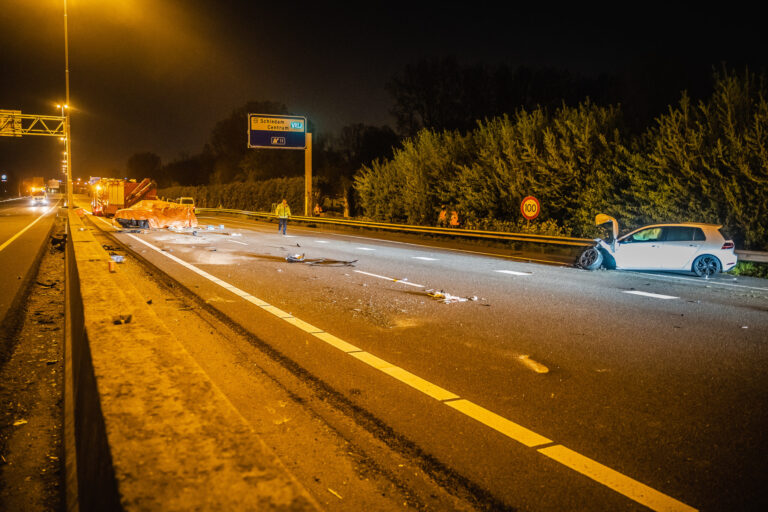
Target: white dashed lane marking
[402,281]
[365,249]
[652,295]
[423,258]
[515,272]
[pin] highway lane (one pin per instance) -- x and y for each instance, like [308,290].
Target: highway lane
[666,388]
[23,231]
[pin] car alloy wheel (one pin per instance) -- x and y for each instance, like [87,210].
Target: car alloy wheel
[706,265]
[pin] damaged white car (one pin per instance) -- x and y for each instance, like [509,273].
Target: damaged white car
[687,247]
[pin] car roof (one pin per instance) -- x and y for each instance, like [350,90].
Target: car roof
[687,224]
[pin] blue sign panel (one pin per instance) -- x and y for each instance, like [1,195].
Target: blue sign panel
[271,131]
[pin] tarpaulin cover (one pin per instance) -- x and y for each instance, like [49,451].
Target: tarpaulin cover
[159,214]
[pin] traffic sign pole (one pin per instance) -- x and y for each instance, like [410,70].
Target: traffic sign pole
[308,176]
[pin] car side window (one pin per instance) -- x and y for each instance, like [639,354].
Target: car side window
[646,235]
[698,235]
[680,233]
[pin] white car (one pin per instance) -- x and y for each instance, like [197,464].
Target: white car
[686,247]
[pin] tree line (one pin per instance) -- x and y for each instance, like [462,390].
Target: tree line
[700,161]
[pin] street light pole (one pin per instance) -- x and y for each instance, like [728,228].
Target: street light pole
[67,134]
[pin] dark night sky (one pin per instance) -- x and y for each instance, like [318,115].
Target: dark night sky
[156,75]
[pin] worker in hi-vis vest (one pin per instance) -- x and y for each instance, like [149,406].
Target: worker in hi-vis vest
[283,212]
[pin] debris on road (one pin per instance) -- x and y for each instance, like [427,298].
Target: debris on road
[447,298]
[116,257]
[154,213]
[301,258]
[122,319]
[533,365]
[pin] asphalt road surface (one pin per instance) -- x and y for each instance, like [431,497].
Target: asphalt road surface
[23,231]
[545,387]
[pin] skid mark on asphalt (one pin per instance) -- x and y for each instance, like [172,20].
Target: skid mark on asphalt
[599,473]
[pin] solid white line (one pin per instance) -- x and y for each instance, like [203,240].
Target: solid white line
[515,272]
[402,281]
[17,235]
[652,295]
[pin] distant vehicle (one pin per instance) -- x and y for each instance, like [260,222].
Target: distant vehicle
[686,247]
[39,197]
[186,201]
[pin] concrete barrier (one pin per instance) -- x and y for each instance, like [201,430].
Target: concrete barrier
[145,429]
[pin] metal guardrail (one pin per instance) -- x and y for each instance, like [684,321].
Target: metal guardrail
[468,233]
[753,256]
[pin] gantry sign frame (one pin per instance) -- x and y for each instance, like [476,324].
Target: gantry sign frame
[15,124]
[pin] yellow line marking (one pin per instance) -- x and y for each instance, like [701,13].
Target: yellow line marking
[620,483]
[371,360]
[585,466]
[17,235]
[509,428]
[301,324]
[277,312]
[336,342]
[420,384]
[256,300]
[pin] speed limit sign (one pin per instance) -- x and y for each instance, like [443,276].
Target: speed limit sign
[530,207]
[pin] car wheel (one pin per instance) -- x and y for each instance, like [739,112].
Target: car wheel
[706,265]
[591,259]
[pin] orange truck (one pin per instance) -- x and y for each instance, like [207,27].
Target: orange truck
[111,195]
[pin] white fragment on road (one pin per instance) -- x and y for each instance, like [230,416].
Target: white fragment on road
[403,281]
[532,365]
[652,295]
[515,272]
[424,258]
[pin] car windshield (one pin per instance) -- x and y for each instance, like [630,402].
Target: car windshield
[38,193]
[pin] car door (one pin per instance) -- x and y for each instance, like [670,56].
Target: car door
[639,250]
[680,245]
